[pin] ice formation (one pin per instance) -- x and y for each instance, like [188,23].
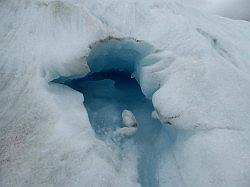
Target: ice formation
[154,115]
[128,118]
[124,132]
[69,68]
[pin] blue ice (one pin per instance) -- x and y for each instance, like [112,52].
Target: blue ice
[109,89]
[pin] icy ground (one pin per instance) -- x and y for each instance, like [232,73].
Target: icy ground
[61,60]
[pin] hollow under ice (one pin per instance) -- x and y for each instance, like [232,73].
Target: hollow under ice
[109,89]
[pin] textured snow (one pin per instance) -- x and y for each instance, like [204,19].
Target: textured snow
[197,75]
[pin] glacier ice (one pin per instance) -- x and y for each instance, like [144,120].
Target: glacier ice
[128,118]
[190,67]
[109,90]
[106,96]
[130,122]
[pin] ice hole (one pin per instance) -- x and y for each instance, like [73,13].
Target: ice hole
[110,88]
[107,94]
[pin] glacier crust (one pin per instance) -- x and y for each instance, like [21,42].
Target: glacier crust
[197,75]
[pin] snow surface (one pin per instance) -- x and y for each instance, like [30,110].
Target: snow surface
[197,75]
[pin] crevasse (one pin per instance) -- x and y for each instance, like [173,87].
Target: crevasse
[111,87]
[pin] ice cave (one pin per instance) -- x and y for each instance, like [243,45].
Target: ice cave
[110,88]
[124,93]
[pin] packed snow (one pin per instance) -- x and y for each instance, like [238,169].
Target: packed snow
[70,68]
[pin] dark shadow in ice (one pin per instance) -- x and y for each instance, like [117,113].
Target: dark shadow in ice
[109,89]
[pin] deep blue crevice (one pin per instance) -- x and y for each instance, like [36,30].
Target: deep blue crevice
[110,88]
[106,95]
